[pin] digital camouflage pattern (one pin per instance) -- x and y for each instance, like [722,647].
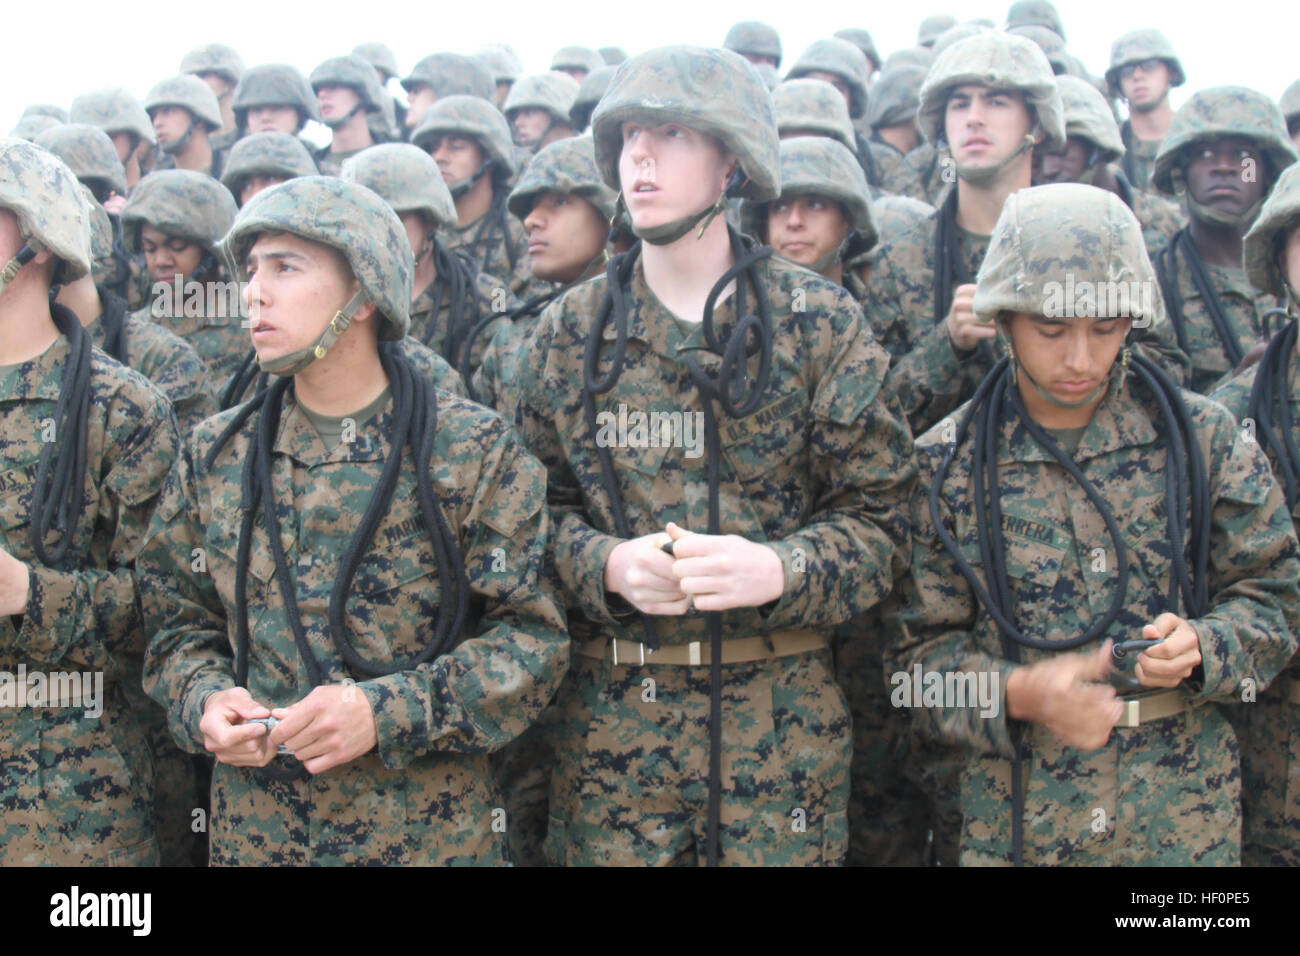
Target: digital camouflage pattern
[1040,13]
[78,790]
[470,116]
[30,127]
[405,177]
[816,165]
[1215,113]
[815,472]
[502,62]
[841,59]
[378,55]
[959,32]
[709,90]
[1262,241]
[266,154]
[577,58]
[804,107]
[863,41]
[553,92]
[355,73]
[754,36]
[1169,789]
[565,166]
[189,92]
[214,58]
[1136,46]
[88,152]
[49,204]
[275,84]
[895,96]
[590,91]
[932,26]
[451,74]
[997,61]
[910,56]
[1053,46]
[424,794]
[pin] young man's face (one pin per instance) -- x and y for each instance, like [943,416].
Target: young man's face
[1226,174]
[530,125]
[123,142]
[670,172]
[1065,165]
[565,235]
[1291,256]
[1067,357]
[167,257]
[170,123]
[336,102]
[418,102]
[255,184]
[503,90]
[217,83]
[806,229]
[273,119]
[1144,84]
[417,230]
[984,126]
[458,157]
[294,288]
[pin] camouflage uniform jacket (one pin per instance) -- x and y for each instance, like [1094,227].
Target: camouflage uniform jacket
[1169,788]
[164,359]
[221,341]
[77,790]
[1159,217]
[1139,160]
[331,164]
[494,254]
[424,794]
[818,471]
[493,296]
[929,376]
[922,175]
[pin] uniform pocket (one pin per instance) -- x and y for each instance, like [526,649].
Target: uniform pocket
[835,838]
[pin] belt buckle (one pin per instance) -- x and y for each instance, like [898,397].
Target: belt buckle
[613,644]
[1132,714]
[693,650]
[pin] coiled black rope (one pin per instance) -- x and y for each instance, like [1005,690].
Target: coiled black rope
[1270,408]
[1167,272]
[112,317]
[1186,494]
[733,388]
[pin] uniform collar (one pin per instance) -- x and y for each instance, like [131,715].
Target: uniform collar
[1120,421]
[299,440]
[40,377]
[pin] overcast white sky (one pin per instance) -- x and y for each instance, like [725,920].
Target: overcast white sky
[57,51]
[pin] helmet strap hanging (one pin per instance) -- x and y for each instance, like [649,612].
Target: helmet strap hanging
[294,362]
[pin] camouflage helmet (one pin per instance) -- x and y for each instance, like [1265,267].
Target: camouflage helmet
[266,154]
[910,56]
[450,74]
[274,84]
[502,62]
[839,58]
[1289,104]
[589,93]
[50,206]
[470,116]
[954,34]
[1142,45]
[932,26]
[863,41]
[1047,232]
[566,166]
[755,37]
[181,203]
[895,215]
[553,92]
[815,106]
[47,109]
[101,235]
[1215,113]
[577,58]
[1089,117]
[189,92]
[767,73]
[1053,46]
[999,61]
[88,152]
[405,177]
[29,127]
[114,110]
[356,74]
[1035,13]
[378,55]
[895,97]
[713,91]
[1280,214]
[821,166]
[348,217]
[612,55]
[214,58]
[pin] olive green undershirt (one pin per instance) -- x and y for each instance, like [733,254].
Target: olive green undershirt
[330,428]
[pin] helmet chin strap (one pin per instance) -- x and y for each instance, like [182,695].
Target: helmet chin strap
[1231,220]
[294,362]
[23,256]
[459,189]
[1119,368]
[342,120]
[983,175]
[171,149]
[667,233]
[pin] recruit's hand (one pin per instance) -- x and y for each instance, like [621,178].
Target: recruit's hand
[226,735]
[964,329]
[643,574]
[723,571]
[15,584]
[330,726]
[1167,664]
[1066,694]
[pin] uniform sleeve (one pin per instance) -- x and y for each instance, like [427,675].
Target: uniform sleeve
[488,690]
[844,559]
[1254,580]
[89,618]
[933,379]
[1160,344]
[189,655]
[930,624]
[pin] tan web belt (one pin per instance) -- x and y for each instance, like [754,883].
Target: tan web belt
[696,653]
[1158,706]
